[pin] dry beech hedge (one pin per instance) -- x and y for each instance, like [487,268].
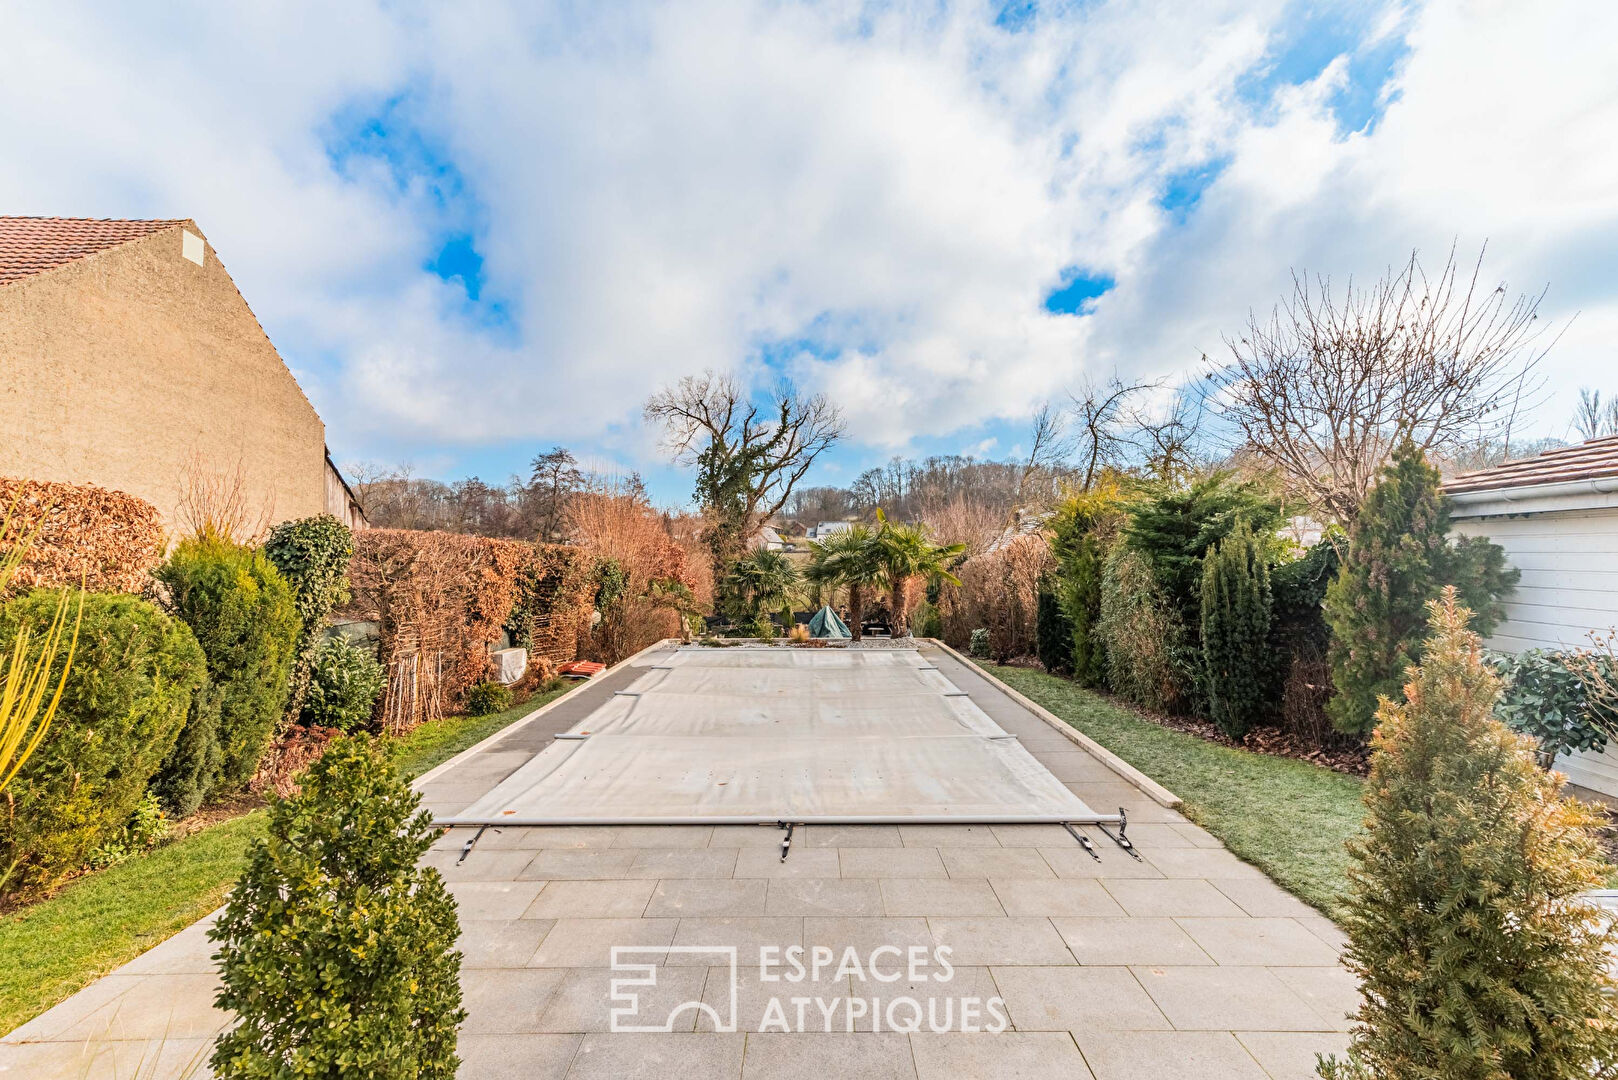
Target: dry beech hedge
[113,538]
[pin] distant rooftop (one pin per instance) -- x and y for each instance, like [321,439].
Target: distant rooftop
[32,245]
[1591,460]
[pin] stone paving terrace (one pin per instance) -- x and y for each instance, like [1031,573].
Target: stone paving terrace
[1186,963]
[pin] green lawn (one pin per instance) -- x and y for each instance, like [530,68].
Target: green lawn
[54,948]
[1288,818]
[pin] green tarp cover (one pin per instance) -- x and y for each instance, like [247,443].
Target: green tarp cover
[826,624]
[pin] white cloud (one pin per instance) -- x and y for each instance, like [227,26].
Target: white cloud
[658,190]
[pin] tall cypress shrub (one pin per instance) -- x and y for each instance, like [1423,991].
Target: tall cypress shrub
[1235,631]
[312,554]
[1399,558]
[1081,598]
[243,616]
[1053,635]
[337,950]
[1479,957]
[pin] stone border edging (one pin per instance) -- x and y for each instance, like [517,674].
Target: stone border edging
[444,766]
[1153,790]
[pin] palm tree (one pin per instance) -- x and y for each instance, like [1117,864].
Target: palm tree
[848,560]
[768,581]
[904,552]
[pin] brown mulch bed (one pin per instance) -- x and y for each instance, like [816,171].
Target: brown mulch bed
[1345,756]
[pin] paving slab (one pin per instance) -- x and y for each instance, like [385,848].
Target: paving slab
[925,896]
[1104,941]
[1011,1055]
[1065,897]
[1067,998]
[816,1056]
[1289,1055]
[1228,999]
[824,896]
[1134,1055]
[709,897]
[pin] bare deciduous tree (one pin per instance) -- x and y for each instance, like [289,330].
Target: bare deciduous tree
[1329,384]
[749,454]
[1050,444]
[1595,419]
[1100,414]
[1168,442]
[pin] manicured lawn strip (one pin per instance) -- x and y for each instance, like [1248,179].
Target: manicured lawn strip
[433,744]
[1288,818]
[55,948]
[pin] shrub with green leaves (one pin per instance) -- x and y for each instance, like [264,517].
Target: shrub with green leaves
[1478,956]
[1053,634]
[1145,639]
[146,828]
[243,615]
[345,681]
[336,949]
[1541,695]
[1235,632]
[312,554]
[1081,600]
[488,698]
[125,701]
[1399,559]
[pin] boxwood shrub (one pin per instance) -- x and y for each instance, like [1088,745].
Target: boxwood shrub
[337,950]
[126,698]
[242,613]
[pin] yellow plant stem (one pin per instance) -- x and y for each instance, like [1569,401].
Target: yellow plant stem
[23,723]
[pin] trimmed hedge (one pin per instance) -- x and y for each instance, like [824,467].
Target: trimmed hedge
[242,612]
[107,540]
[127,693]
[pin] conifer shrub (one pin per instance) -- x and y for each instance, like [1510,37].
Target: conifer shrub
[192,767]
[344,685]
[1400,558]
[1235,632]
[1081,599]
[243,615]
[123,705]
[1478,956]
[337,951]
[978,646]
[1145,639]
[1053,634]
[312,554]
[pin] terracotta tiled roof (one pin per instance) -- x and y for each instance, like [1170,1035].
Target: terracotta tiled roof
[30,245]
[1586,461]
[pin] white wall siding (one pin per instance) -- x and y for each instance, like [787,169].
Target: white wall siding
[1569,586]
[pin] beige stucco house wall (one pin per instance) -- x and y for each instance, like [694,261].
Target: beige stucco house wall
[126,367]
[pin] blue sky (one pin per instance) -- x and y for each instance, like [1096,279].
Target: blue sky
[477,236]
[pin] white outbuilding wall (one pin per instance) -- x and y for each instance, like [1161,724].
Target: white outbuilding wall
[1564,539]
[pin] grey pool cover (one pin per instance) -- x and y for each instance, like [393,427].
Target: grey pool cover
[746,735]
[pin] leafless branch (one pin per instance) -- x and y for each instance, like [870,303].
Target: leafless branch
[1329,384]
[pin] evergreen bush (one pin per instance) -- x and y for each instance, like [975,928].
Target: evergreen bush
[192,767]
[1145,639]
[1478,956]
[312,554]
[1053,633]
[243,615]
[1541,694]
[488,698]
[1235,632]
[1081,599]
[1400,558]
[345,681]
[124,703]
[337,950]
[1174,525]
